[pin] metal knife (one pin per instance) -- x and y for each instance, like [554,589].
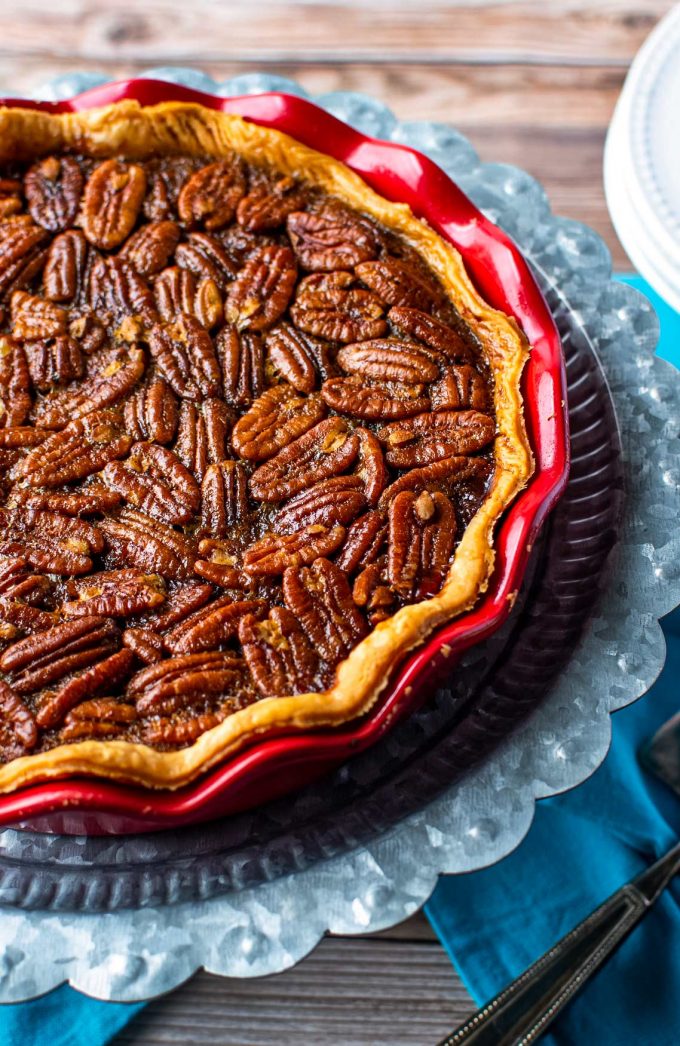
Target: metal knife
[522,1012]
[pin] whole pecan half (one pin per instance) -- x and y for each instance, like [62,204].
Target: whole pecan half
[430,437]
[49,541]
[33,317]
[398,283]
[65,267]
[331,238]
[178,290]
[36,661]
[273,421]
[388,359]
[104,675]
[181,601]
[112,201]
[260,294]
[151,411]
[274,553]
[422,535]
[101,717]
[184,353]
[149,249]
[336,500]
[224,498]
[328,305]
[371,465]
[53,187]
[211,626]
[279,655]
[114,593]
[456,344]
[443,475]
[154,480]
[110,375]
[185,681]
[364,542]
[137,540]
[22,255]
[183,729]
[54,361]
[89,500]
[242,361]
[144,644]
[22,436]
[206,258]
[119,295]
[83,447]
[209,196]
[374,401]
[299,358]
[268,205]
[324,451]
[459,388]
[320,598]
[202,435]
[18,730]
[15,383]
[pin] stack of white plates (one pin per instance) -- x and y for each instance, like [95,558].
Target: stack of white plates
[642,161]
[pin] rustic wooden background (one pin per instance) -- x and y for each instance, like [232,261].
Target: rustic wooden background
[532,83]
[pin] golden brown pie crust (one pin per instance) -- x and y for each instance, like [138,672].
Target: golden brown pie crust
[171,128]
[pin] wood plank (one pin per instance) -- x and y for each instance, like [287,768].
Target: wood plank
[362,992]
[579,32]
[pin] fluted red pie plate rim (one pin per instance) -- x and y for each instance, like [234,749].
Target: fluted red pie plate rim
[275,765]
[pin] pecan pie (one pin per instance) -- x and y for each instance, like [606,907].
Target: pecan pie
[256,429]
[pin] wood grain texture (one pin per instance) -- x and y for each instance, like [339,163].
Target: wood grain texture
[487,31]
[346,993]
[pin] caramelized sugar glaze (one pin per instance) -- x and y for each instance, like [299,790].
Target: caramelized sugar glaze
[241,423]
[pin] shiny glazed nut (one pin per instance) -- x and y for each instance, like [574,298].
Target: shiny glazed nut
[65,267]
[22,255]
[210,196]
[154,480]
[33,317]
[202,435]
[260,294]
[387,359]
[321,601]
[429,437]
[422,534]
[454,344]
[274,553]
[110,375]
[114,593]
[324,451]
[178,290]
[268,206]
[136,540]
[112,201]
[459,388]
[81,448]
[378,401]
[328,305]
[53,187]
[241,359]
[150,248]
[54,361]
[332,238]
[15,384]
[279,655]
[185,356]
[224,498]
[274,420]
[298,358]
[336,500]
[151,411]
[397,283]
[18,730]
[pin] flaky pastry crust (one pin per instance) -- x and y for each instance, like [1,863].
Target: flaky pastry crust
[171,128]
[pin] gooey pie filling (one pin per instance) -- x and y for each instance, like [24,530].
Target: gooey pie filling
[241,424]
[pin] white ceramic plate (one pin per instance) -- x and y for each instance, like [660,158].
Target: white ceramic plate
[642,160]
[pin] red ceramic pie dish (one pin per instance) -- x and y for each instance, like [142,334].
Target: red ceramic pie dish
[277,765]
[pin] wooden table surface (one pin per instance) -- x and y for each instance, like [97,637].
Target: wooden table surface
[532,83]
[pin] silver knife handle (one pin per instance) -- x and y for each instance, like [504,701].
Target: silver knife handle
[520,1013]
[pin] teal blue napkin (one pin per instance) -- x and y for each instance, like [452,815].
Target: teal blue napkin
[581,847]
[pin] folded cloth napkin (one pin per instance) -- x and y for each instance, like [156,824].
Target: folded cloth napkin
[581,847]
[494,923]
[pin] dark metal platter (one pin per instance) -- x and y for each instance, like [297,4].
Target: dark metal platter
[493,689]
